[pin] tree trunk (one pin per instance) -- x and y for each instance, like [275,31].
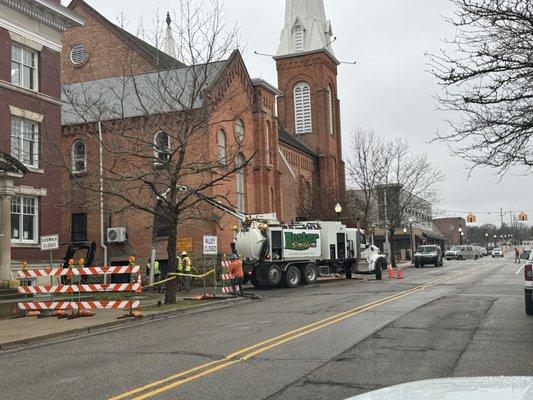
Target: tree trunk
[392,244]
[171,286]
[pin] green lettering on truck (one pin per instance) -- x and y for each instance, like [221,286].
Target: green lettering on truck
[301,241]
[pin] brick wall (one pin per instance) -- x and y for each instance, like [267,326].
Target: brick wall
[49,179]
[109,55]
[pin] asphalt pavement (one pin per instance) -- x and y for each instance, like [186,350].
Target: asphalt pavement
[328,341]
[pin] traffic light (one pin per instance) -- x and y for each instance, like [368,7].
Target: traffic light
[522,216]
[471,218]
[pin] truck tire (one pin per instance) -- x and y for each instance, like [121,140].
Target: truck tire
[273,275]
[255,282]
[292,277]
[529,302]
[378,271]
[310,274]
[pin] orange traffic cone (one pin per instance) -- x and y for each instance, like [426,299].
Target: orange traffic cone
[390,271]
[400,273]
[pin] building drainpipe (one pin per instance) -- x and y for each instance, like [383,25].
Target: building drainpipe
[102,236]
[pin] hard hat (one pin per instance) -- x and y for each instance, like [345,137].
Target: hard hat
[232,256]
[184,253]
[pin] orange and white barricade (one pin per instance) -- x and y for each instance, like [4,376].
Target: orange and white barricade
[226,278]
[33,307]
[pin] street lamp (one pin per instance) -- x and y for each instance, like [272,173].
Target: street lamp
[461,234]
[411,241]
[486,240]
[338,210]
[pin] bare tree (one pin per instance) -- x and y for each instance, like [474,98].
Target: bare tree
[391,180]
[487,77]
[363,170]
[152,129]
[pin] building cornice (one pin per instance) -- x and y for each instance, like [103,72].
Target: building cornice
[46,12]
[30,93]
[19,30]
[305,53]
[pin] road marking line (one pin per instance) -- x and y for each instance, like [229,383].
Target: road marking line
[520,269]
[266,345]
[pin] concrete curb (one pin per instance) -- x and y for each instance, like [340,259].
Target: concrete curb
[115,325]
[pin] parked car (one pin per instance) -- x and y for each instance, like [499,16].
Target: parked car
[497,252]
[528,285]
[484,251]
[463,252]
[428,254]
[525,255]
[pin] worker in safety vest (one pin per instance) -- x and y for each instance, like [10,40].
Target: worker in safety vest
[186,269]
[235,266]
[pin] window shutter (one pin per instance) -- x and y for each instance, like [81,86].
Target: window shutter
[302,108]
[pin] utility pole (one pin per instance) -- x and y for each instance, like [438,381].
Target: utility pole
[501,217]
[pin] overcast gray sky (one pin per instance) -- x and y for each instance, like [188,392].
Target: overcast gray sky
[388,89]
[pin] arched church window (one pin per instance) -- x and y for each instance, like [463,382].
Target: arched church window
[79,157]
[268,139]
[302,108]
[221,147]
[240,183]
[162,147]
[330,110]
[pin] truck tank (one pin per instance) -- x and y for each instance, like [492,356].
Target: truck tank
[249,243]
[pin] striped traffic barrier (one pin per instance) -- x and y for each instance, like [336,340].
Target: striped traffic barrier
[84,288]
[79,308]
[36,273]
[79,305]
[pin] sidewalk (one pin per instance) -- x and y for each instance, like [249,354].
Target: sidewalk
[20,332]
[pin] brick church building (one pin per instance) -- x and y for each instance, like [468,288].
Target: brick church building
[291,129]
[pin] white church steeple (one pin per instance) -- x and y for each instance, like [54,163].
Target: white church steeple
[169,43]
[305,29]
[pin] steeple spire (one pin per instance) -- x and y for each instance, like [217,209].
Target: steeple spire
[169,44]
[306,28]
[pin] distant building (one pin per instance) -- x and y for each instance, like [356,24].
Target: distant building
[30,118]
[449,228]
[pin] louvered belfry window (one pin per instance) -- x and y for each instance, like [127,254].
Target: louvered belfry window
[302,108]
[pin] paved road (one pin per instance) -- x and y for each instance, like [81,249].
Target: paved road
[334,340]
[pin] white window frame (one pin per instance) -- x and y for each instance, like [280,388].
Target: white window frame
[17,135]
[21,214]
[240,183]
[330,111]
[160,151]
[303,116]
[76,158]
[221,147]
[22,63]
[240,136]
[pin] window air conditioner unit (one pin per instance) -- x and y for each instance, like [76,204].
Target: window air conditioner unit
[116,235]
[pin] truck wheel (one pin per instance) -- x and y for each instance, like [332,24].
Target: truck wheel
[529,302]
[310,274]
[378,269]
[255,282]
[273,275]
[349,272]
[292,277]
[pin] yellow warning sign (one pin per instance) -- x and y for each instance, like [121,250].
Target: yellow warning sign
[184,244]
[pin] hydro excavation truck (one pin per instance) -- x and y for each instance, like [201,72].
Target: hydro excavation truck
[275,254]
[290,255]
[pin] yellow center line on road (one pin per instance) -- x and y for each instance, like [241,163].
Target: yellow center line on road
[258,348]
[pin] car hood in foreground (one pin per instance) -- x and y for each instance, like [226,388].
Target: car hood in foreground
[475,388]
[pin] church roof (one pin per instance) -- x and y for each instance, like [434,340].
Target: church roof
[137,95]
[306,28]
[293,141]
[157,57]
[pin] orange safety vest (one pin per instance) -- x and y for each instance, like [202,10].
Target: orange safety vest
[236,268]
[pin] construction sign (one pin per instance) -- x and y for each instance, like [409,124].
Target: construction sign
[522,217]
[184,244]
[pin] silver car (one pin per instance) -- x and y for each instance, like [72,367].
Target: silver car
[463,252]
